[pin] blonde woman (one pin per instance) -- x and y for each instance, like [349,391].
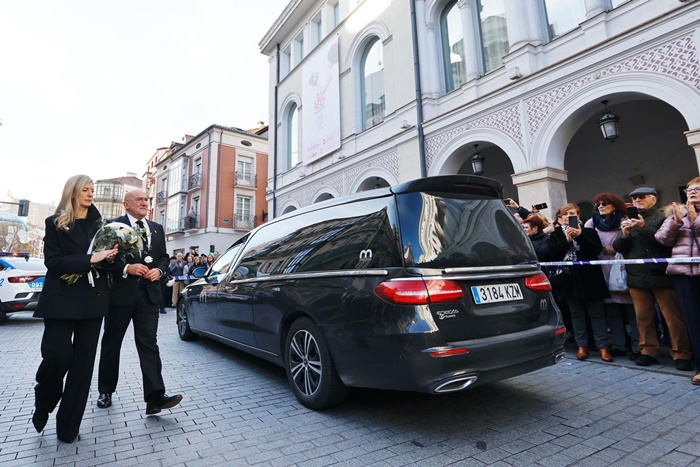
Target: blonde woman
[72,312]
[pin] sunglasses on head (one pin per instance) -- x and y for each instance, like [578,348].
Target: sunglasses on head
[601,203]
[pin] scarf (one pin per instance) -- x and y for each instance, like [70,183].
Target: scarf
[606,225]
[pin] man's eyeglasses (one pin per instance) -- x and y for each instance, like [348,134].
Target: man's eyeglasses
[601,203]
[693,189]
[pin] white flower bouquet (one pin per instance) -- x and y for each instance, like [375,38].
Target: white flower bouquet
[114,233]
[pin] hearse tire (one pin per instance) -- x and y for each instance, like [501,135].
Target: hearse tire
[3,317]
[310,368]
[183,325]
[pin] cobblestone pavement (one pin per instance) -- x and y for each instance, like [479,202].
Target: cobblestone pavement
[238,410]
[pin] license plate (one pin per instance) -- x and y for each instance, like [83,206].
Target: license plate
[496,293]
[37,285]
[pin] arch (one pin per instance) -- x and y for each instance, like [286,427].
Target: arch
[324,193]
[289,206]
[375,28]
[550,143]
[291,102]
[442,164]
[371,173]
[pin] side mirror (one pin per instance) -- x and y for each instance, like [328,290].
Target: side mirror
[199,272]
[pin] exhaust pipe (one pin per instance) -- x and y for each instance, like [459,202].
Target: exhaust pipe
[456,384]
[559,357]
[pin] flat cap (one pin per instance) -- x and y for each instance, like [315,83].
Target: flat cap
[644,190]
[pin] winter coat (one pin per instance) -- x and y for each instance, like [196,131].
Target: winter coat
[643,244]
[587,282]
[547,248]
[683,237]
[66,253]
[607,239]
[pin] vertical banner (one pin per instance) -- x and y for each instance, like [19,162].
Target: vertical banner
[320,99]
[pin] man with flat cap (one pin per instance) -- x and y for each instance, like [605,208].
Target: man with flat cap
[648,283]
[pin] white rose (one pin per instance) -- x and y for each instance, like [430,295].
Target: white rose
[148,260]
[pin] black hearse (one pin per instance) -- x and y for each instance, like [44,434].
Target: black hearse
[427,286]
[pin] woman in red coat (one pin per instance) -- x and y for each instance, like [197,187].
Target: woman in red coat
[72,312]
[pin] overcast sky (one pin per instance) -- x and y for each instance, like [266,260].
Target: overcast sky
[96,86]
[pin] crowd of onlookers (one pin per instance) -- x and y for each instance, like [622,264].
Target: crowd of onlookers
[183,266]
[617,308]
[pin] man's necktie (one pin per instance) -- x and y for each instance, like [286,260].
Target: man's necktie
[144,237]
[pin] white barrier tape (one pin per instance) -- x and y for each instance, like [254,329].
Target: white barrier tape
[624,261]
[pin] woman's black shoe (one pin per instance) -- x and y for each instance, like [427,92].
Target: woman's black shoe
[69,439]
[39,420]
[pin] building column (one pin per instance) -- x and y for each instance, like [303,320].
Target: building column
[426,52]
[693,137]
[472,42]
[545,185]
[595,7]
[523,23]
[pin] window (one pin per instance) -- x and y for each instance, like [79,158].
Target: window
[617,3]
[198,165]
[162,218]
[564,15]
[285,62]
[372,86]
[175,177]
[298,48]
[336,14]
[453,47]
[292,136]
[494,33]
[245,167]
[243,206]
[317,28]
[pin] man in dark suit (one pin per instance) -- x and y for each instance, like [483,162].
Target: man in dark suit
[136,296]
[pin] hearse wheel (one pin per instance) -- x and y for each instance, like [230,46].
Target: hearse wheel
[183,325]
[310,369]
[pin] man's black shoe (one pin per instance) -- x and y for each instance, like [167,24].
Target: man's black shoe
[69,439]
[684,365]
[163,312]
[634,356]
[162,402]
[105,400]
[39,420]
[646,360]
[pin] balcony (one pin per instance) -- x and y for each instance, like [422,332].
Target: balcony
[195,181]
[246,179]
[160,197]
[190,222]
[241,221]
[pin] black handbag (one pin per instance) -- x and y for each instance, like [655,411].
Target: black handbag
[558,275]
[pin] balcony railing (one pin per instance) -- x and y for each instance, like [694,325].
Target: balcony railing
[160,197]
[246,179]
[190,222]
[241,221]
[195,181]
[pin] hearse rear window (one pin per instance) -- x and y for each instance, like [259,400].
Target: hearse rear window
[450,230]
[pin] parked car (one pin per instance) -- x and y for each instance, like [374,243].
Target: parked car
[428,286]
[21,281]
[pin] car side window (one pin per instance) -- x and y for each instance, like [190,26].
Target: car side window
[223,264]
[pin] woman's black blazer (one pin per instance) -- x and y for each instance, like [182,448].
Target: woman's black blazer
[66,253]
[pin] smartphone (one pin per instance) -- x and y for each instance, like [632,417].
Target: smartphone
[540,206]
[573,222]
[633,212]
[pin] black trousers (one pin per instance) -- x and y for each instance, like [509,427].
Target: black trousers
[144,315]
[688,290]
[67,347]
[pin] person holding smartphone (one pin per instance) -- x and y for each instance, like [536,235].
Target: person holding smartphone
[681,231]
[587,288]
[610,212]
[649,283]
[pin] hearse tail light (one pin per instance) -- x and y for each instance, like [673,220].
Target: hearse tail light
[538,283]
[419,292]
